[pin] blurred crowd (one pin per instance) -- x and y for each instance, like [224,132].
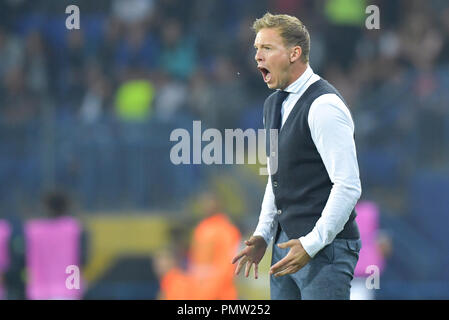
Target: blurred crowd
[143,59]
[74,103]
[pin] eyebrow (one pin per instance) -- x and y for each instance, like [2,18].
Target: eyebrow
[263,45]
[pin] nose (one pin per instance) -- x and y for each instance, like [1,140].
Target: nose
[258,56]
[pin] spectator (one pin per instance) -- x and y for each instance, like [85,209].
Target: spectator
[346,20]
[5,233]
[97,97]
[138,48]
[134,98]
[376,247]
[178,52]
[18,105]
[52,245]
[14,276]
[228,99]
[171,97]
[109,46]
[132,11]
[72,73]
[11,52]
[215,241]
[35,63]
[209,274]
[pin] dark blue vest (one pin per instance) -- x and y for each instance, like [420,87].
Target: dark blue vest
[301,184]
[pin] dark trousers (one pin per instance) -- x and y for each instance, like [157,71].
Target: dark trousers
[327,276]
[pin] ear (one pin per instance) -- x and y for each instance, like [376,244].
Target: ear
[295,54]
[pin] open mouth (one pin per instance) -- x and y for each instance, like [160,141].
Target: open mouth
[266,74]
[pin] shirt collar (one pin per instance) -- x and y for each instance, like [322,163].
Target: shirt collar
[296,86]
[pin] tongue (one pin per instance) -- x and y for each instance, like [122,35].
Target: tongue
[267,77]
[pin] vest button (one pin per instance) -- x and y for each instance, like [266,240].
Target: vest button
[275,183]
[279,211]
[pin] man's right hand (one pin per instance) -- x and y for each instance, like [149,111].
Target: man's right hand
[252,254]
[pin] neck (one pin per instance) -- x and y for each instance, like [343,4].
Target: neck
[297,70]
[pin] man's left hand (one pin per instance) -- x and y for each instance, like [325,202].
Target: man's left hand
[296,258]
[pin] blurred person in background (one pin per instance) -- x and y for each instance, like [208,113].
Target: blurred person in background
[229,99]
[346,20]
[178,51]
[376,247]
[170,264]
[138,48]
[11,51]
[309,200]
[132,11]
[74,62]
[18,105]
[108,47]
[97,98]
[134,97]
[13,257]
[209,274]
[5,234]
[14,276]
[171,97]
[444,19]
[52,244]
[201,97]
[219,103]
[215,240]
[174,282]
[36,64]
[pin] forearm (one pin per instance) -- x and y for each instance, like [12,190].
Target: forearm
[268,211]
[339,206]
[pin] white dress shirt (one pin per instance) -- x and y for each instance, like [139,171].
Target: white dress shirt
[332,131]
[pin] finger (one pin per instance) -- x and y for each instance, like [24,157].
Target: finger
[287,270]
[240,265]
[276,269]
[248,268]
[238,256]
[287,244]
[256,270]
[281,264]
[249,242]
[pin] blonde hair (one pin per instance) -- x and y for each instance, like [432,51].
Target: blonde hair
[291,29]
